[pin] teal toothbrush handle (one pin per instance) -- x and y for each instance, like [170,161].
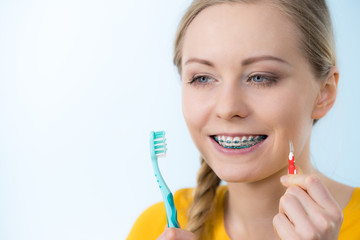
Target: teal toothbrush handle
[170,209]
[171,212]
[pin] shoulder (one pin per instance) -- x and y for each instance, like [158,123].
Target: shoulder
[183,198]
[185,195]
[353,206]
[350,228]
[150,224]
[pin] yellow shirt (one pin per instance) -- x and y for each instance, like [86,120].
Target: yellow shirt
[152,222]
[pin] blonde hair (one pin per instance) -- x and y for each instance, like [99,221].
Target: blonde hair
[203,205]
[312,18]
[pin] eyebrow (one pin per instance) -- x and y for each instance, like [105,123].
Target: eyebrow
[245,62]
[251,60]
[199,60]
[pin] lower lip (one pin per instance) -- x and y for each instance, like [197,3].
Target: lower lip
[231,151]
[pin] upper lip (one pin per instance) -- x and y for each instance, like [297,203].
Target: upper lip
[236,134]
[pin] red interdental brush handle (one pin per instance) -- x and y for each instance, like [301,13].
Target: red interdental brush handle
[291,169]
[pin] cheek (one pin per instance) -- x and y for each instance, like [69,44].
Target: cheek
[196,109]
[289,110]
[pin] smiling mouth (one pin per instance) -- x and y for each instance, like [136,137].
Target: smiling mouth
[238,142]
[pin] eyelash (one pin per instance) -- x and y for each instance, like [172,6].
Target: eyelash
[195,80]
[267,82]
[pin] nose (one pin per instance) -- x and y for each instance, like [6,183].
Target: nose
[231,102]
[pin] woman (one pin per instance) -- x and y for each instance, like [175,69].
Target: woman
[255,75]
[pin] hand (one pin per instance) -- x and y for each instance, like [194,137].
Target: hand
[176,234]
[307,210]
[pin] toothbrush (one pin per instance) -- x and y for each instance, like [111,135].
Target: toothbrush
[158,149]
[291,169]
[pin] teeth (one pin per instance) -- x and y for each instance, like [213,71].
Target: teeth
[236,142]
[228,141]
[239,142]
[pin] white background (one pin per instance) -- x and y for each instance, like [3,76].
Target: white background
[82,83]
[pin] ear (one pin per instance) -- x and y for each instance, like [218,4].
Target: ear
[327,94]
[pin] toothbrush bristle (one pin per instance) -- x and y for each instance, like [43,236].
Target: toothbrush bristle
[291,146]
[160,144]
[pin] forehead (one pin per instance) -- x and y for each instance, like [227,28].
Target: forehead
[236,30]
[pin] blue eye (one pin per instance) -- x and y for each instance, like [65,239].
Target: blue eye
[258,78]
[201,80]
[262,80]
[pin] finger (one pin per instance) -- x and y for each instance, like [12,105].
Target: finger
[313,186]
[283,227]
[295,212]
[308,204]
[320,218]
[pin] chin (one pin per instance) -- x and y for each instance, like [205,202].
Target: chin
[235,174]
[246,173]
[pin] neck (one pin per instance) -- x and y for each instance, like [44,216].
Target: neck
[252,206]
[255,202]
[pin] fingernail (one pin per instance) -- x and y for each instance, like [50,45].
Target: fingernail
[283,179]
